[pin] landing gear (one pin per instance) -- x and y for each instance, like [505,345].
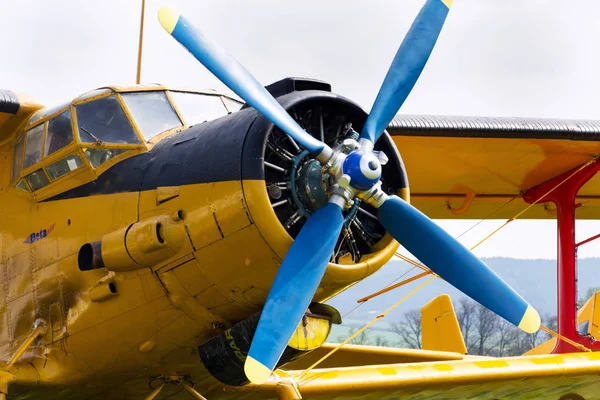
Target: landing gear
[175,380]
[40,327]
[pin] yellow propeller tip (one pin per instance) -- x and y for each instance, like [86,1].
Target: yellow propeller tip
[448,3]
[255,371]
[168,18]
[531,321]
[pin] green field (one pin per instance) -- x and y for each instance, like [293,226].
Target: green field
[379,330]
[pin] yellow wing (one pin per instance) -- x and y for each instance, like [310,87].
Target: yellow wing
[574,376]
[468,167]
[14,111]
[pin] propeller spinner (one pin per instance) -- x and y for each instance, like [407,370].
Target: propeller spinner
[356,170]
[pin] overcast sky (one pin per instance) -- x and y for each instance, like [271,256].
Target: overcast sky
[536,58]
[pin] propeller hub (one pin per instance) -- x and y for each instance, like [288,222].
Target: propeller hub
[363,168]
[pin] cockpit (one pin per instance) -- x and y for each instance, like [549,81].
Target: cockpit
[104,126]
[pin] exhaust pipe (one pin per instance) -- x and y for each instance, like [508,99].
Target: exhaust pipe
[140,245]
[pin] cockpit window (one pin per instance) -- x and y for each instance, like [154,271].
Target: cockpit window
[64,166]
[103,120]
[152,112]
[59,134]
[97,157]
[22,185]
[232,105]
[33,145]
[17,158]
[37,179]
[197,108]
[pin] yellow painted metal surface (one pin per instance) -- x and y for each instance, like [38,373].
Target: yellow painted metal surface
[444,172]
[9,124]
[440,329]
[352,355]
[310,333]
[131,326]
[590,313]
[538,377]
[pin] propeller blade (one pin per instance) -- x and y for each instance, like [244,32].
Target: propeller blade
[234,75]
[445,256]
[292,291]
[406,67]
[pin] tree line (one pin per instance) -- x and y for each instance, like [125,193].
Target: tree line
[484,332]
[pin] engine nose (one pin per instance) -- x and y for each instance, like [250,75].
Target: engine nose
[296,186]
[244,190]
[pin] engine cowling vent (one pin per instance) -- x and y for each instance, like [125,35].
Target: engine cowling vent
[291,84]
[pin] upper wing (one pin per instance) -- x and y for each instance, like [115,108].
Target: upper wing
[534,377]
[449,159]
[14,110]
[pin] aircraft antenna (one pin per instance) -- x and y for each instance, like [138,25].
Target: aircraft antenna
[140,45]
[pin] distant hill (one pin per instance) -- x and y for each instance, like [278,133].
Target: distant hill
[535,280]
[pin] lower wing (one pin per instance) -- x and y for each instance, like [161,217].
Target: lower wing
[565,376]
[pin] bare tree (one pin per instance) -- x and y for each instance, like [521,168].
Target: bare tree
[551,321]
[506,336]
[527,341]
[590,292]
[410,329]
[362,338]
[381,341]
[485,324]
[485,333]
[466,319]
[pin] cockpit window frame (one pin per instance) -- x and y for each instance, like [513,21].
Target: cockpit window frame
[170,102]
[175,106]
[86,172]
[50,158]
[127,114]
[233,100]
[45,160]
[74,147]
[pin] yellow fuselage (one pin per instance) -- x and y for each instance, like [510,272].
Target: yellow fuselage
[111,325]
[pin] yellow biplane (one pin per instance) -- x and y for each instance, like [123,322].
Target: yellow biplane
[162,243]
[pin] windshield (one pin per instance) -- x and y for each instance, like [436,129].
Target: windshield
[152,112]
[196,108]
[104,120]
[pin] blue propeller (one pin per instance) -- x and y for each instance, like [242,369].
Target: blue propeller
[358,174]
[406,67]
[235,76]
[452,261]
[293,289]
